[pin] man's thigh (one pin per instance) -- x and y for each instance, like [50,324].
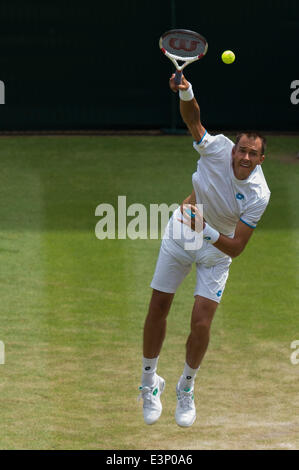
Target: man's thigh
[211,281]
[171,268]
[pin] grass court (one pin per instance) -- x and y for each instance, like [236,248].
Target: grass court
[73,306]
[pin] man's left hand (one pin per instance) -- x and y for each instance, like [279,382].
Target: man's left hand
[193,218]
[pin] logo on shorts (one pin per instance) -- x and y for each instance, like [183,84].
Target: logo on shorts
[240,196]
[219,293]
[207,238]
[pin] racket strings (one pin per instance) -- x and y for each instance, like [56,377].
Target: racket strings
[183,45]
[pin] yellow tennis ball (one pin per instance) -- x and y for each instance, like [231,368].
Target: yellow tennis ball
[228,57]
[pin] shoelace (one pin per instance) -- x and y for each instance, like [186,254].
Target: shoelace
[147,395]
[185,399]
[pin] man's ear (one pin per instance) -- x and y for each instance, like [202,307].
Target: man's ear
[233,150]
[262,158]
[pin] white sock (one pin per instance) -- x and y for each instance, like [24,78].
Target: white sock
[186,381]
[149,367]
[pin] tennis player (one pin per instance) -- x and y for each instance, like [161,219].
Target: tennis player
[230,184]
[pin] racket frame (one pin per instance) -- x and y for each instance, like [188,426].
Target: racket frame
[175,58]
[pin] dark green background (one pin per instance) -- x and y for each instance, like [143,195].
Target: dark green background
[97,65]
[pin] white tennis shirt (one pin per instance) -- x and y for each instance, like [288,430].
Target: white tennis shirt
[226,199]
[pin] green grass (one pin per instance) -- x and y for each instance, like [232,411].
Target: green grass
[73,307]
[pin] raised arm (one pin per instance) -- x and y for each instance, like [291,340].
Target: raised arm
[189,109]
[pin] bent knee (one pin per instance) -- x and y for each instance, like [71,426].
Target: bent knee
[201,326]
[160,302]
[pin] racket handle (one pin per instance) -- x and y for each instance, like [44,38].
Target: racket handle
[178,77]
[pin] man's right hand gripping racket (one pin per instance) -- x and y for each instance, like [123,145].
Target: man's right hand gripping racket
[182,45]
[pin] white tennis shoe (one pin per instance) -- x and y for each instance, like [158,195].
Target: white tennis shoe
[185,414]
[152,406]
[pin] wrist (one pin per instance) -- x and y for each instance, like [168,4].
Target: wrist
[210,234]
[187,95]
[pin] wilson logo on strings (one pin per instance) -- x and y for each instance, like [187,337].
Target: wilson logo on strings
[183,44]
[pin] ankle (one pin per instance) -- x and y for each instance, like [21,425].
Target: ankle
[149,367]
[186,381]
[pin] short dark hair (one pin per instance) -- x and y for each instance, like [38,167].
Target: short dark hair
[253,135]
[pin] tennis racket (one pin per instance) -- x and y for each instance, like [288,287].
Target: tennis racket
[182,45]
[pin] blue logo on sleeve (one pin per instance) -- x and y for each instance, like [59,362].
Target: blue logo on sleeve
[240,196]
[219,293]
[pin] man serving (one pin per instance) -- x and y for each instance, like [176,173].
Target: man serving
[230,185]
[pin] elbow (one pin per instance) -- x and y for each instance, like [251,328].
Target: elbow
[190,123]
[234,254]
[231,247]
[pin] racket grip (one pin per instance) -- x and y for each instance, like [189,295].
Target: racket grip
[178,77]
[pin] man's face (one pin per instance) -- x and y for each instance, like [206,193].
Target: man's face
[246,155]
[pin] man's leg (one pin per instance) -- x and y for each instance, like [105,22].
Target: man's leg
[172,267]
[155,323]
[197,344]
[153,337]
[201,320]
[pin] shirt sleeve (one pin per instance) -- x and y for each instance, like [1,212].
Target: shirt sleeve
[253,214]
[213,145]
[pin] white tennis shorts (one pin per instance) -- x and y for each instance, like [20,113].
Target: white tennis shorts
[175,262]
